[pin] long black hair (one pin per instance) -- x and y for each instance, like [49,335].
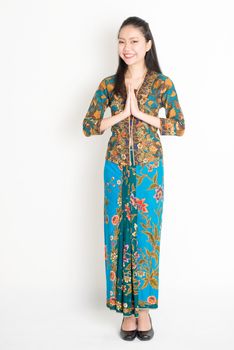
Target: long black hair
[151,59]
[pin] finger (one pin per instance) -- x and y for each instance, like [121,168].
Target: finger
[129,88]
[128,91]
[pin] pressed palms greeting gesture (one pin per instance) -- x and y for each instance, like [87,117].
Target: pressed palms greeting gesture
[131,106]
[133,102]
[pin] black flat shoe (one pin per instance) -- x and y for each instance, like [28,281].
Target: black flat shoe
[127,335]
[146,335]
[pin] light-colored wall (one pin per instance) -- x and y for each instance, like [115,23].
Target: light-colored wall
[53,56]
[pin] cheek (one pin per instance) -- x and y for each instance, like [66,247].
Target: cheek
[120,48]
[121,55]
[141,51]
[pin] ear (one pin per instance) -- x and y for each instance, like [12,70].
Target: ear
[148,45]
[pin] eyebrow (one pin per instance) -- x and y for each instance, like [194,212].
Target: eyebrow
[133,37]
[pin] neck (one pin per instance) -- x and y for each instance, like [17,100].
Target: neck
[136,71]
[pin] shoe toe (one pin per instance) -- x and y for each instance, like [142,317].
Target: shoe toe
[146,335]
[128,335]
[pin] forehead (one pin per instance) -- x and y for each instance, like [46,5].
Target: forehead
[130,32]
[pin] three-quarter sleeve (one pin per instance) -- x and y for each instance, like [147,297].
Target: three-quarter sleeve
[94,116]
[174,123]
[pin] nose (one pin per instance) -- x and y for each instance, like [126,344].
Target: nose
[127,50]
[126,47]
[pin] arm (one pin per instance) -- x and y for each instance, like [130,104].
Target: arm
[94,116]
[150,119]
[174,123]
[109,121]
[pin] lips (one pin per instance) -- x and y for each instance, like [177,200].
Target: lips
[128,56]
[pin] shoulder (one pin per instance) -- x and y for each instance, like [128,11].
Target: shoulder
[108,83]
[164,83]
[164,79]
[109,80]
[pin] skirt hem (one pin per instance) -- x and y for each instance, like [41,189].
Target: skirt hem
[114,308]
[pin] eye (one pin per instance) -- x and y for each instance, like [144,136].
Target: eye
[135,41]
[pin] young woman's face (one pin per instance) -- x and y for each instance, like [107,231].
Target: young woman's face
[132,45]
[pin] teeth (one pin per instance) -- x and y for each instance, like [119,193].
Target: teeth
[128,56]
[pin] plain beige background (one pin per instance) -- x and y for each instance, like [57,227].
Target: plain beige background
[52,278]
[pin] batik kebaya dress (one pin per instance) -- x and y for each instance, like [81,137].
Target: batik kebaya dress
[134,189]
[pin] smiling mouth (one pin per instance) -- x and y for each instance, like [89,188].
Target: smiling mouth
[128,56]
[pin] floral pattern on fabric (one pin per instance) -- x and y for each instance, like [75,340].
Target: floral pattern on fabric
[132,225]
[156,91]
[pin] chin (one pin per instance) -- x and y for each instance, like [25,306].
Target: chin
[128,63]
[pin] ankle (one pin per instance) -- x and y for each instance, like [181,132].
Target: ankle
[144,312]
[144,315]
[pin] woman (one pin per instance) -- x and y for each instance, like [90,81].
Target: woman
[133,173]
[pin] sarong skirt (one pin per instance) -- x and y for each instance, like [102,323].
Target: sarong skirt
[133,206]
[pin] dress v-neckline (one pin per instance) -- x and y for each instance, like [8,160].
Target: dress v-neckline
[143,90]
[138,90]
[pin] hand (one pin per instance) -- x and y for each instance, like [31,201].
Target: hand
[134,104]
[127,108]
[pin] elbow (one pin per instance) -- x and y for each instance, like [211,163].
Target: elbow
[92,129]
[86,129]
[170,127]
[181,127]
[85,133]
